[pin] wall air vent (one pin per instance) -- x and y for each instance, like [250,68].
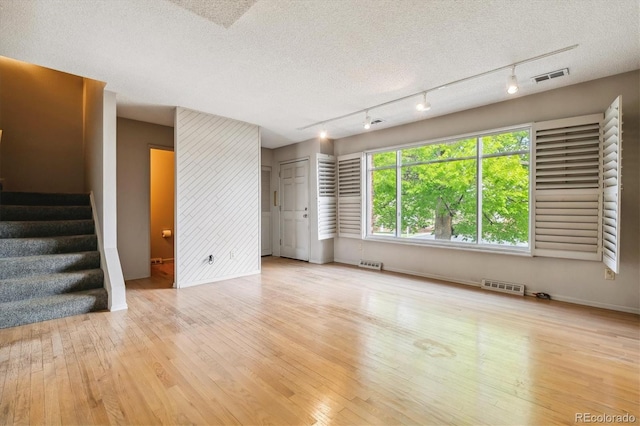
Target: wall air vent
[553,74]
[376,121]
[503,287]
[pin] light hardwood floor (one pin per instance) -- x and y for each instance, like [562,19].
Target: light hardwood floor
[330,344]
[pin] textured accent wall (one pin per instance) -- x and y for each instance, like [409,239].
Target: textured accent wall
[218,198]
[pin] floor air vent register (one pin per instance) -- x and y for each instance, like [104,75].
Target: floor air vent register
[503,287]
[370,264]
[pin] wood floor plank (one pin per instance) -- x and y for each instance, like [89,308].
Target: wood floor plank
[321,344]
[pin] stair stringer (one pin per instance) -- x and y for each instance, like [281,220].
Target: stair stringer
[110,265]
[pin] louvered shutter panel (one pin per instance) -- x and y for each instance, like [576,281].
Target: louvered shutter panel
[612,184]
[350,196]
[327,201]
[567,195]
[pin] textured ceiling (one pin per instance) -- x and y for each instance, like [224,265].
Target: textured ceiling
[221,12]
[286,64]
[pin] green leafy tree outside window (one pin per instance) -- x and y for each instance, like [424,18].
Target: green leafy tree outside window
[439,190]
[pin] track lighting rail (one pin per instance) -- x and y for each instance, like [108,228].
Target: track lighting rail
[442,86]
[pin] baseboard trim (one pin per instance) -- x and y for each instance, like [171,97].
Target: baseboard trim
[432,276]
[593,304]
[118,308]
[559,298]
[347,261]
[213,280]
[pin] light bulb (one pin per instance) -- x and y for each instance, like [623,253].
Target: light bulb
[424,105]
[323,134]
[367,122]
[512,83]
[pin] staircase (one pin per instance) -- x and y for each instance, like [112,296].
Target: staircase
[49,263]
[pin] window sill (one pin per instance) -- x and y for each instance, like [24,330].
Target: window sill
[524,252]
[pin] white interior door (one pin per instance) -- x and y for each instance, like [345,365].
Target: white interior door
[266,210]
[294,210]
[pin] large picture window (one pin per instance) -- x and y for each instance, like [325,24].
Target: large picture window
[469,191]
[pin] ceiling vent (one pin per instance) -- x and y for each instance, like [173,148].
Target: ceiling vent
[550,75]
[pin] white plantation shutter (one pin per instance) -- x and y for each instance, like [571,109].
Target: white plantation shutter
[327,200]
[577,187]
[612,184]
[350,196]
[567,195]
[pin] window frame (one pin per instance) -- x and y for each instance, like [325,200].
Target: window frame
[477,246]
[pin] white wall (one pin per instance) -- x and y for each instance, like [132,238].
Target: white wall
[569,280]
[100,172]
[133,141]
[217,196]
[320,251]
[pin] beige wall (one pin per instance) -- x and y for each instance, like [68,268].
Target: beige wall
[570,280]
[134,139]
[266,157]
[41,115]
[92,110]
[162,202]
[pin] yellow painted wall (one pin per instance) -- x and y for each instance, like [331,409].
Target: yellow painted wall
[41,117]
[162,173]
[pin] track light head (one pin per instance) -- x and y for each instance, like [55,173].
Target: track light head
[512,82]
[367,121]
[424,105]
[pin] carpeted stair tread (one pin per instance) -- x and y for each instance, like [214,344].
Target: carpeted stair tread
[39,309]
[48,285]
[16,247]
[31,213]
[49,263]
[43,199]
[43,228]
[15,267]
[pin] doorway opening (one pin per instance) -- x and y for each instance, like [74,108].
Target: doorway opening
[265,198]
[161,208]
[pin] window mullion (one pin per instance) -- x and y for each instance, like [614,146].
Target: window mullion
[398,194]
[479,190]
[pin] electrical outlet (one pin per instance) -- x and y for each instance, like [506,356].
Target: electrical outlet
[232,254]
[609,274]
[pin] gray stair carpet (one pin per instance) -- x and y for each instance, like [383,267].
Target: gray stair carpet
[49,259]
[30,229]
[44,212]
[49,245]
